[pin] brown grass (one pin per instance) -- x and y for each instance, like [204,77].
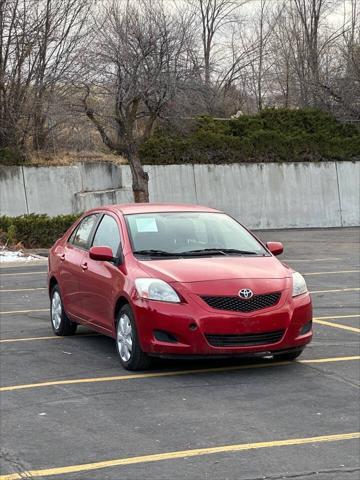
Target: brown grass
[69,158]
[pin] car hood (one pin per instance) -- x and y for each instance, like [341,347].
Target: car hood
[190,270]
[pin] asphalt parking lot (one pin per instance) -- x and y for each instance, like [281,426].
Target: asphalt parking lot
[69,411]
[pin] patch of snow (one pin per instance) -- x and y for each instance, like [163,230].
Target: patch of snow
[18,256]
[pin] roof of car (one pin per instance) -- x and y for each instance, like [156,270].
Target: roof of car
[129,208]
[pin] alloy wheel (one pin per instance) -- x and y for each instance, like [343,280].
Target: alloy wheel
[124,337]
[56,310]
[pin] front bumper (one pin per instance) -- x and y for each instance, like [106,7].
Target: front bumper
[187,326]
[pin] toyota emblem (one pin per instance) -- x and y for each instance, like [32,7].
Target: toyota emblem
[246,293]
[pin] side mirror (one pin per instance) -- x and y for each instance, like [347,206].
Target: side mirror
[276,248]
[101,253]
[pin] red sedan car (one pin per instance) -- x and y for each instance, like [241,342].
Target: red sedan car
[176,280]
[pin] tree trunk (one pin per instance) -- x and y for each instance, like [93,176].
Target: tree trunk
[140,179]
[40,133]
[207,69]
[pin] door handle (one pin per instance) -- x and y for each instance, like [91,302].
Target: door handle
[62,257]
[84,266]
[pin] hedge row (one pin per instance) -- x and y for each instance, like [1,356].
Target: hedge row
[272,135]
[34,231]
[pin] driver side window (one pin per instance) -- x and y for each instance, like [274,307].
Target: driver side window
[81,236]
[107,235]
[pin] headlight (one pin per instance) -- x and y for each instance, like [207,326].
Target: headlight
[299,284]
[156,289]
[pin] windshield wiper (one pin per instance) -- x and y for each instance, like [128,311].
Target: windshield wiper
[240,252]
[194,253]
[217,251]
[160,253]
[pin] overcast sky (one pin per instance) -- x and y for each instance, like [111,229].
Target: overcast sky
[334,17]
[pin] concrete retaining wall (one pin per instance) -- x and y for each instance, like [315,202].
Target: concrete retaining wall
[12,192]
[349,195]
[261,195]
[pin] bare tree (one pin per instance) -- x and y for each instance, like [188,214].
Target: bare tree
[150,59]
[309,13]
[341,85]
[213,16]
[264,32]
[39,43]
[260,33]
[60,35]
[140,56]
[17,69]
[282,51]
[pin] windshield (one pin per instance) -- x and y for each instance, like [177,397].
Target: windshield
[190,234]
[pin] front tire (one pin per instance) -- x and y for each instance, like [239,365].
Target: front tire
[127,342]
[60,322]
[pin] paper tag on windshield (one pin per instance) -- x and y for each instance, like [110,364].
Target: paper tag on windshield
[146,225]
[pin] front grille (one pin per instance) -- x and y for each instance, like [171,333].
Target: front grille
[237,304]
[247,340]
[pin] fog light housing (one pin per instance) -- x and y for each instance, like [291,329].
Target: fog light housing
[306,328]
[163,336]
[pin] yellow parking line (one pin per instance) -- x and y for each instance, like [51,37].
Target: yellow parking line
[22,289]
[171,374]
[330,360]
[158,457]
[10,312]
[337,325]
[22,273]
[13,340]
[330,273]
[337,316]
[53,337]
[337,290]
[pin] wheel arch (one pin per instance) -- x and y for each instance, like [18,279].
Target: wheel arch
[52,282]
[120,302]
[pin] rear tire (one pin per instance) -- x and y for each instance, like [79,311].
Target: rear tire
[60,322]
[289,356]
[127,342]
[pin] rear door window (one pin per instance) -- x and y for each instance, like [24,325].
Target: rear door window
[107,234]
[81,236]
